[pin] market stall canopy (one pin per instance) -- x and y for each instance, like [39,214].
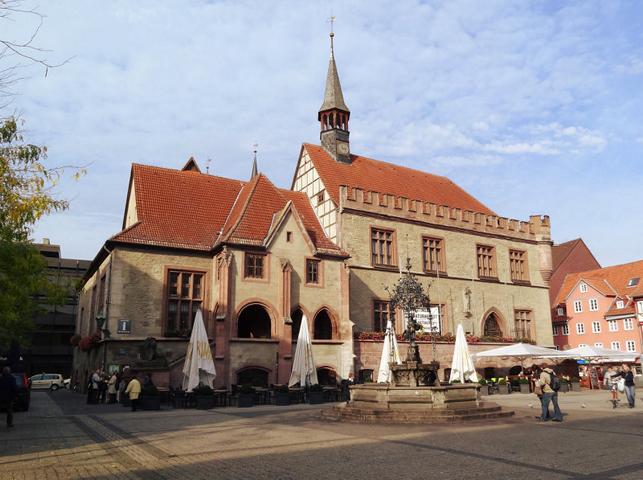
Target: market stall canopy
[588,352]
[520,350]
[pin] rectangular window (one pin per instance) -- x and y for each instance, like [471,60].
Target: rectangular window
[312,271]
[185,292]
[619,304]
[598,345]
[522,322]
[580,328]
[555,330]
[289,237]
[518,266]
[615,345]
[578,306]
[593,305]
[381,314]
[382,247]
[612,326]
[582,344]
[639,306]
[254,265]
[566,329]
[486,261]
[101,295]
[92,310]
[433,254]
[627,324]
[630,346]
[583,288]
[596,327]
[560,311]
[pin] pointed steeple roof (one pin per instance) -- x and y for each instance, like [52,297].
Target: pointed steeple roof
[333,97]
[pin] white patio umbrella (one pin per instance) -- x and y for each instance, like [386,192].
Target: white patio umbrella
[198,366]
[591,353]
[303,365]
[520,351]
[462,367]
[390,354]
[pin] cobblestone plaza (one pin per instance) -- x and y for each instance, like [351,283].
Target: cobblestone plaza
[63,438]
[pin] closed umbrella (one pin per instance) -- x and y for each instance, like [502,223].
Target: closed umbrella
[198,366]
[390,354]
[462,367]
[303,365]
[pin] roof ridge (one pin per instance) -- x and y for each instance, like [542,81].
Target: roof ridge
[189,172]
[253,186]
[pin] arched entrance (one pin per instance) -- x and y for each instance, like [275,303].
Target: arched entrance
[254,322]
[257,377]
[492,326]
[323,326]
[295,316]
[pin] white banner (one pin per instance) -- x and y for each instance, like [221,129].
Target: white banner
[430,323]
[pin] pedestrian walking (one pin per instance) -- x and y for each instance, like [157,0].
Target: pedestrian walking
[610,380]
[102,389]
[8,394]
[133,390]
[628,375]
[111,387]
[550,385]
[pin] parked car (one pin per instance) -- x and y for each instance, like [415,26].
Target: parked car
[24,391]
[51,381]
[67,383]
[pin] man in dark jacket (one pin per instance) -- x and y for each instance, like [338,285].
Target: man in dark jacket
[8,393]
[630,392]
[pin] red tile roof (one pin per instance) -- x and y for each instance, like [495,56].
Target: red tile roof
[629,308]
[187,209]
[375,175]
[610,281]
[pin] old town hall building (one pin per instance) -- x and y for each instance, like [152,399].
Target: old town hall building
[257,259]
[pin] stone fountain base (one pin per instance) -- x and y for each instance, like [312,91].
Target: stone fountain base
[384,403]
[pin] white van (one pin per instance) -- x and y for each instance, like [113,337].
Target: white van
[51,381]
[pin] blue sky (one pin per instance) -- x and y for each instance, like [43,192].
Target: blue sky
[533,107]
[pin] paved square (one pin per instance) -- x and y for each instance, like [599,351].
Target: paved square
[62,438]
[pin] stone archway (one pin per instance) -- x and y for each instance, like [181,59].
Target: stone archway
[254,322]
[322,326]
[492,326]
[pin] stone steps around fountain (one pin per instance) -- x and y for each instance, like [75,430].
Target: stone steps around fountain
[349,413]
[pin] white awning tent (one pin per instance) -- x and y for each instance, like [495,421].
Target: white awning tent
[199,365]
[520,351]
[303,365]
[390,354]
[596,353]
[462,367]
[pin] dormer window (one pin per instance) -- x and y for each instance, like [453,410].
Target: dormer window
[583,288]
[619,304]
[633,282]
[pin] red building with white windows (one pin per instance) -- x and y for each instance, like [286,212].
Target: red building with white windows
[599,308]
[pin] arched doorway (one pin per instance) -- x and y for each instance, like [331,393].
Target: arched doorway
[323,326]
[254,322]
[492,326]
[327,376]
[296,323]
[257,377]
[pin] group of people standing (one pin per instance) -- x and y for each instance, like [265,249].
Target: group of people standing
[623,376]
[104,388]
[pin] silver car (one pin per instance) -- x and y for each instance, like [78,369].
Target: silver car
[50,381]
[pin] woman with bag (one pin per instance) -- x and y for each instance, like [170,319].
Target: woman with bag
[611,381]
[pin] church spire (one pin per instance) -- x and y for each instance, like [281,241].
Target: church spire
[255,172]
[334,114]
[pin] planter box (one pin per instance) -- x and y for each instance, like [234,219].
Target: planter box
[149,402]
[315,397]
[484,390]
[282,398]
[524,388]
[575,386]
[504,389]
[204,402]
[246,400]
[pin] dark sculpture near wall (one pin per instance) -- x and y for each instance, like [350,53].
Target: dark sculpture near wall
[148,349]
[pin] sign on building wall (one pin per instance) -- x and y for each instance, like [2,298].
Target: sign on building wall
[429,319]
[124,326]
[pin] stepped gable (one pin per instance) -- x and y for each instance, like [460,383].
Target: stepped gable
[187,209]
[374,175]
[178,208]
[610,281]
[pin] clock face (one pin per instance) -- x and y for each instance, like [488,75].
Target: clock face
[342,148]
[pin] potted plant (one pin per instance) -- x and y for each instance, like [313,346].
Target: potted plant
[246,396]
[575,384]
[524,385]
[454,382]
[204,396]
[282,396]
[315,394]
[484,387]
[504,387]
[150,398]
